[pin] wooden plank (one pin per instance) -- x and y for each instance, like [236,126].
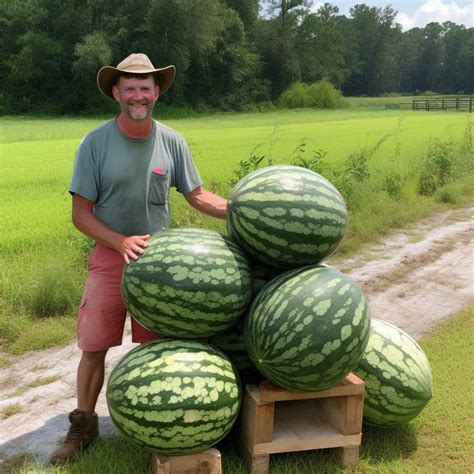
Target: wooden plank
[285,445]
[345,413]
[206,462]
[351,385]
[348,457]
[256,419]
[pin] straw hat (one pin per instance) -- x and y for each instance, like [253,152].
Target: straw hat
[136,63]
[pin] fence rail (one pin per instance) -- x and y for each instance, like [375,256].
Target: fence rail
[443,103]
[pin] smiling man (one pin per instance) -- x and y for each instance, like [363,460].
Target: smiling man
[122,176]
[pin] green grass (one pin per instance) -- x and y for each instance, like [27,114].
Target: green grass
[43,257]
[440,439]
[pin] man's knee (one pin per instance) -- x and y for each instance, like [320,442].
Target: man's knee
[93,358]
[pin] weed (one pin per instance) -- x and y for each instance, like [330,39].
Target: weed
[393,184]
[39,382]
[248,166]
[451,193]
[438,168]
[10,410]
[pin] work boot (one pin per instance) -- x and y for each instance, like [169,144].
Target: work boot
[83,431]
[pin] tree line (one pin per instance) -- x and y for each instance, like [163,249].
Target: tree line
[229,54]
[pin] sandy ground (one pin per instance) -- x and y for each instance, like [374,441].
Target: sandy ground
[413,279]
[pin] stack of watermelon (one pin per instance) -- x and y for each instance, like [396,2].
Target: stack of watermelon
[262,296]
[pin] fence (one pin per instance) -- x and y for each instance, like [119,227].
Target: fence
[443,103]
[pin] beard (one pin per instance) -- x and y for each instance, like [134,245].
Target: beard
[139,111]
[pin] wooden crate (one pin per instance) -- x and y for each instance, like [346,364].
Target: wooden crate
[275,420]
[206,462]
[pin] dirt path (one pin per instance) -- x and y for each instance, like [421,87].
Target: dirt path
[413,279]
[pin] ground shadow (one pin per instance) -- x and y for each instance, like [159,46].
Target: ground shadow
[381,445]
[39,443]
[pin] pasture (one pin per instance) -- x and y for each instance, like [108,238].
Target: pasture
[377,156]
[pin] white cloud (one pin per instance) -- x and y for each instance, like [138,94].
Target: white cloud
[436,10]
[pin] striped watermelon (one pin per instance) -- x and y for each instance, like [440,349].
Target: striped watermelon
[308,328]
[232,343]
[397,375]
[286,216]
[174,397]
[188,283]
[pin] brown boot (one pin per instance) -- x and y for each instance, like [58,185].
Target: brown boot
[83,431]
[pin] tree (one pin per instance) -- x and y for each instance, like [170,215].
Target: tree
[90,54]
[428,68]
[375,36]
[320,46]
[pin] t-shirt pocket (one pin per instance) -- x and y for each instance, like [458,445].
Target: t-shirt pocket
[159,187]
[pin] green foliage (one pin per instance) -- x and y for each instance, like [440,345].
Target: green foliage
[393,184]
[245,167]
[319,95]
[323,95]
[437,169]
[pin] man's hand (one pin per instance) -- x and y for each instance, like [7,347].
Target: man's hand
[132,247]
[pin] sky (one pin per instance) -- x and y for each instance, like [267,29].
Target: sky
[417,13]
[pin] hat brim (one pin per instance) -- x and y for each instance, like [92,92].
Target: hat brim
[107,77]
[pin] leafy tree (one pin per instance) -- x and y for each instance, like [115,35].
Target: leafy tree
[90,54]
[374,33]
[320,45]
[247,11]
[428,68]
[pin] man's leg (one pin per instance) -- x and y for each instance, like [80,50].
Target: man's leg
[84,427]
[90,378]
[100,326]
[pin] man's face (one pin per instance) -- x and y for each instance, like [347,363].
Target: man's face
[136,97]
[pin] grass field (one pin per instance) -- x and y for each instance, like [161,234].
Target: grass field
[376,155]
[439,440]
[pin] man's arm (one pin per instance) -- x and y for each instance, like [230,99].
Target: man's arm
[83,218]
[207,202]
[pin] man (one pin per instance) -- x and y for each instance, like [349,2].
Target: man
[120,185]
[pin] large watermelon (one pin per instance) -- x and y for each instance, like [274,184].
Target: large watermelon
[174,397]
[397,375]
[286,216]
[308,328]
[232,343]
[188,283]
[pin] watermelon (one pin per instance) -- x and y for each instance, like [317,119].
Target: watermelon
[232,343]
[188,283]
[308,328]
[397,375]
[286,216]
[174,397]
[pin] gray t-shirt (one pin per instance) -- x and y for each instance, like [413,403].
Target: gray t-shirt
[129,179]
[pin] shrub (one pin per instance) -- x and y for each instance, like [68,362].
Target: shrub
[321,95]
[437,169]
[295,96]
[393,184]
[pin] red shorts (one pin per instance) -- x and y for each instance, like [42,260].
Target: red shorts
[102,312]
